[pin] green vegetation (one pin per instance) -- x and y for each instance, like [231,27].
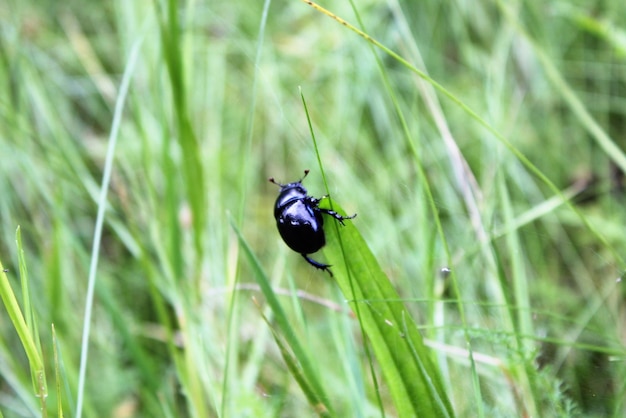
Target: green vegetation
[480,143]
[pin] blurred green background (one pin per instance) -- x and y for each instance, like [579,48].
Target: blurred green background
[213,108]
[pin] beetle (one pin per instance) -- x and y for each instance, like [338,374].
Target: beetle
[299,220]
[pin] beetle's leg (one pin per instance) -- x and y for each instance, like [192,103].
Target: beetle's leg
[336,215]
[317,264]
[315,201]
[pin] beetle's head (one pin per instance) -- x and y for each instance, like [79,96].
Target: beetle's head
[289,192]
[297,185]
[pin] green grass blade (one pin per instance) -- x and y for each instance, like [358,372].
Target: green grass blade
[102,205]
[366,282]
[57,373]
[314,389]
[297,372]
[330,203]
[25,328]
[193,172]
[13,309]
[411,375]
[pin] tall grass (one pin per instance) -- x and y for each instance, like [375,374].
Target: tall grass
[480,143]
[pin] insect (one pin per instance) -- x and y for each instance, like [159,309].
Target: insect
[299,220]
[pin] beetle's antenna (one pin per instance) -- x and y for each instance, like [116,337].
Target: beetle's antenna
[271,179]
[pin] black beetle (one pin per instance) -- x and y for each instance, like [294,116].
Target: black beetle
[300,222]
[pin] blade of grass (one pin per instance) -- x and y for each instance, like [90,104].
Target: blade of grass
[230,366]
[102,204]
[525,371]
[38,376]
[26,336]
[314,389]
[193,172]
[357,308]
[408,391]
[292,364]
[412,377]
[57,372]
[465,179]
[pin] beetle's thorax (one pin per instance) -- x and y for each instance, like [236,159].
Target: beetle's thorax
[290,193]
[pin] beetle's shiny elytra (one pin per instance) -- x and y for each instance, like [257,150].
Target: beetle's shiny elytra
[300,222]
